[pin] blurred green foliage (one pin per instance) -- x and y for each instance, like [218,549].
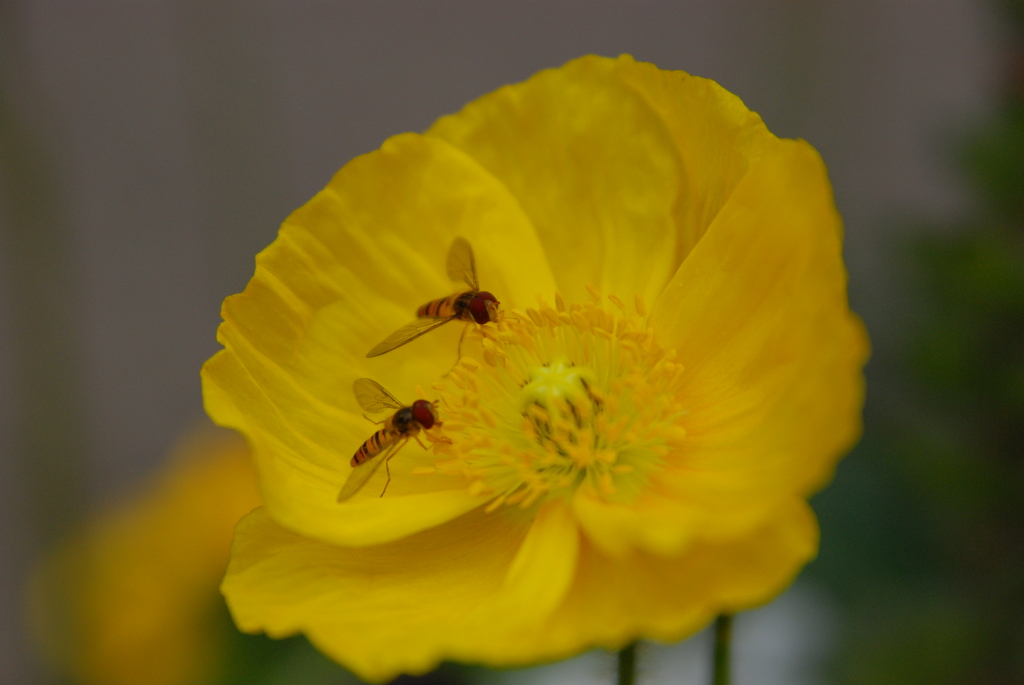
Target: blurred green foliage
[923,529]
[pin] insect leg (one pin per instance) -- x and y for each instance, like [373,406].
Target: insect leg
[372,421]
[387,466]
[458,350]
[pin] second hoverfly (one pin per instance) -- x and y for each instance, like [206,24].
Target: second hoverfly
[405,423]
[473,305]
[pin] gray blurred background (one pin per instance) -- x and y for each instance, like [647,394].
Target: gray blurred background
[150,149]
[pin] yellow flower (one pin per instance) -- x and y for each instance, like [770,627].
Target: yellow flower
[133,598]
[631,447]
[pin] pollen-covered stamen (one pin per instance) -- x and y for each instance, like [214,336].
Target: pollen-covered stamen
[556,399]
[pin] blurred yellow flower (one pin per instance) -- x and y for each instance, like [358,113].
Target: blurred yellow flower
[631,446]
[133,598]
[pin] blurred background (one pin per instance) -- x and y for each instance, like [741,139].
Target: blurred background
[148,150]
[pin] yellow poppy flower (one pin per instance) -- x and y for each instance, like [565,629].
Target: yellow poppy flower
[625,454]
[133,598]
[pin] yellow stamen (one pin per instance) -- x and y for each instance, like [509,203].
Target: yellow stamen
[641,308]
[562,398]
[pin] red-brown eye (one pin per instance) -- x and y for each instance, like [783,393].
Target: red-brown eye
[478,306]
[423,412]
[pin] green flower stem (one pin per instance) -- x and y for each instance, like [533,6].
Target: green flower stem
[627,665]
[723,642]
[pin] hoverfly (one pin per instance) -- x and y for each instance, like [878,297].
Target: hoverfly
[405,423]
[473,305]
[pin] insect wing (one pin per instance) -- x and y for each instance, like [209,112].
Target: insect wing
[406,334]
[358,476]
[461,264]
[372,396]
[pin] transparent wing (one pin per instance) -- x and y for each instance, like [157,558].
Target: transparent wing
[461,265]
[372,397]
[358,476]
[407,333]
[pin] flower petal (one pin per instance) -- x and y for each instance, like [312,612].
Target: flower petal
[348,268]
[467,590]
[758,317]
[626,168]
[716,136]
[599,179]
[612,602]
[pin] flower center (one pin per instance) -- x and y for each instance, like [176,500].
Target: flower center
[555,399]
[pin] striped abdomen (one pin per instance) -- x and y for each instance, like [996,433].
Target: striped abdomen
[446,307]
[376,444]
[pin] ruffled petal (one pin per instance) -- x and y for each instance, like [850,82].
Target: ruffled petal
[716,137]
[600,178]
[614,601]
[472,589]
[626,168]
[347,269]
[758,317]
